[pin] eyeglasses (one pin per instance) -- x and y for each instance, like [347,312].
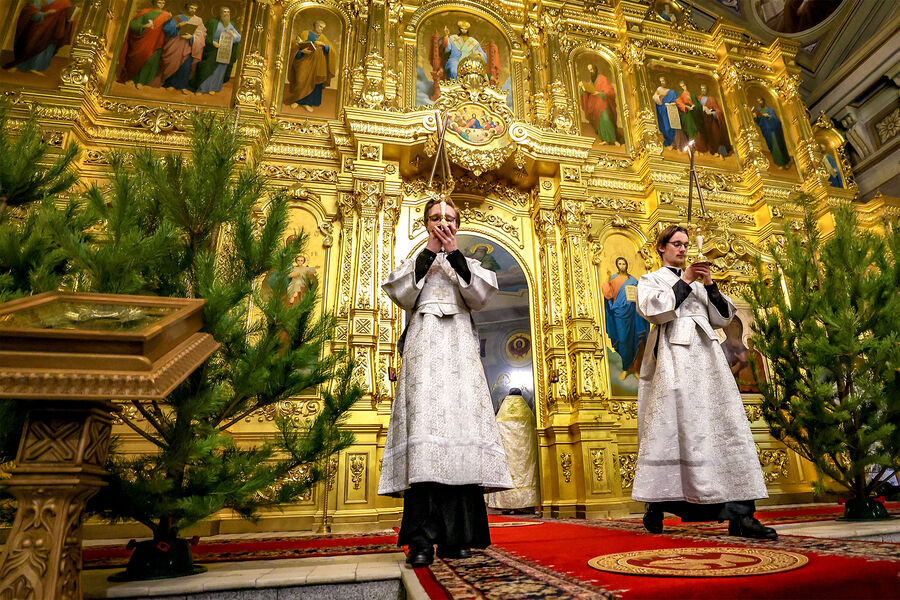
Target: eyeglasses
[681,244]
[437,217]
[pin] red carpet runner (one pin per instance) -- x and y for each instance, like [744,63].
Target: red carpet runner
[549,560]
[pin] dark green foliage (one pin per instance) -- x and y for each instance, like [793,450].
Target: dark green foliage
[833,342]
[31,180]
[184,226]
[25,176]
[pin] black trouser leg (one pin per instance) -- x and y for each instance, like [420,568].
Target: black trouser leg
[451,515]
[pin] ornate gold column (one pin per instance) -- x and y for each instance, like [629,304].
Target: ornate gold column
[251,90]
[88,50]
[560,118]
[645,130]
[581,318]
[539,104]
[59,466]
[372,83]
[749,142]
[368,217]
[553,308]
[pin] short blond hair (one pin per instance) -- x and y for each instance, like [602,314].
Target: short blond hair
[435,200]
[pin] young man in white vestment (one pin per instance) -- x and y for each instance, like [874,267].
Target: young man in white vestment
[696,455]
[443,448]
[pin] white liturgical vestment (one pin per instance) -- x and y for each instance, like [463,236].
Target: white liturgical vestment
[442,425]
[694,440]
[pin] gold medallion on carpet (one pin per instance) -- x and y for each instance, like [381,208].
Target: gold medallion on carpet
[700,562]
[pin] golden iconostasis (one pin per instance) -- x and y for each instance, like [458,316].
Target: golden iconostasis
[567,128]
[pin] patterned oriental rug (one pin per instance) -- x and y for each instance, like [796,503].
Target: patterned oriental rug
[550,560]
[780,516]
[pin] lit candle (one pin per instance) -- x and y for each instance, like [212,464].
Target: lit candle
[443,212]
[699,244]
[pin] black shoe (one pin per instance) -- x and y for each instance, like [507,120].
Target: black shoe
[750,527]
[420,557]
[453,552]
[653,520]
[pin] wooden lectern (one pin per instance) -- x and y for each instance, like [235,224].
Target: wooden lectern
[69,355]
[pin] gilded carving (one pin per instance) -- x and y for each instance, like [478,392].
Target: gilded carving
[357,469]
[622,409]
[251,91]
[565,463]
[627,466]
[754,412]
[300,173]
[617,204]
[597,463]
[774,464]
[298,409]
[298,474]
[155,119]
[306,127]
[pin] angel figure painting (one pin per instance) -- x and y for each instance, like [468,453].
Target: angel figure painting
[312,82]
[598,99]
[448,38]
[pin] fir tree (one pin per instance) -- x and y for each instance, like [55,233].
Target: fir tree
[32,181]
[828,319]
[183,226]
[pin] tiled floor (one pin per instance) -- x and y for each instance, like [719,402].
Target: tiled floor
[877,531]
[261,575]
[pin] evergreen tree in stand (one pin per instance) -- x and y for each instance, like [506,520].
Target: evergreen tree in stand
[184,226]
[827,317]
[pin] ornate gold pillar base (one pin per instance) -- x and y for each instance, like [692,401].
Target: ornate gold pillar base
[59,466]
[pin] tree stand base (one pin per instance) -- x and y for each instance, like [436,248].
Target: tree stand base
[865,509]
[159,559]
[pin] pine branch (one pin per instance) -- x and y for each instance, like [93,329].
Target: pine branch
[141,432]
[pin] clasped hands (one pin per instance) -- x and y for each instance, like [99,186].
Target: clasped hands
[697,271]
[443,236]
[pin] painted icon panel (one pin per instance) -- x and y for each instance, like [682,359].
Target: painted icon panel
[312,79]
[690,110]
[768,118]
[599,101]
[626,331]
[447,38]
[185,51]
[38,40]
